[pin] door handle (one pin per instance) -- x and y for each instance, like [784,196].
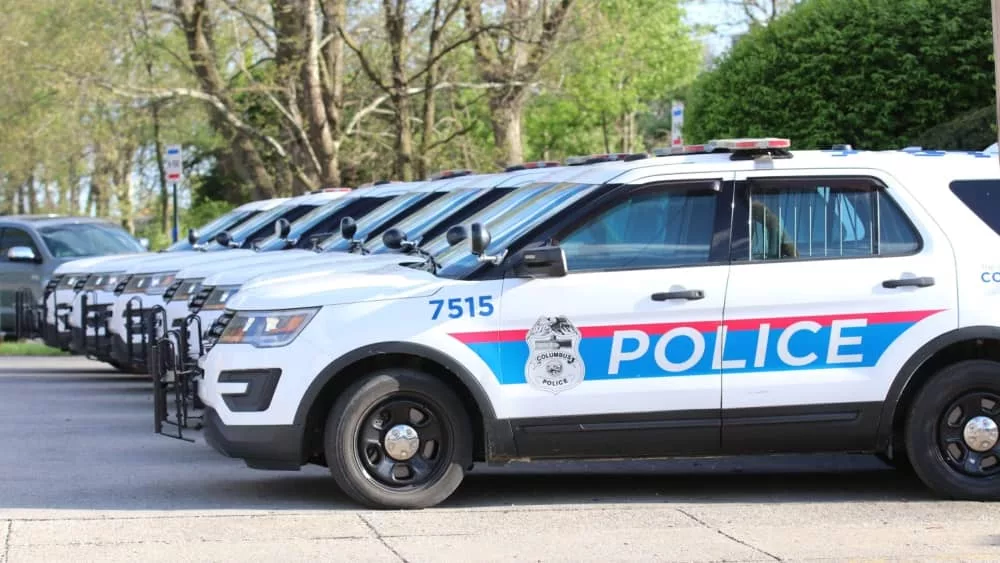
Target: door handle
[908,282]
[689,294]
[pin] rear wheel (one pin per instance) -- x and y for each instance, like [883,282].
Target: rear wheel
[953,431]
[398,438]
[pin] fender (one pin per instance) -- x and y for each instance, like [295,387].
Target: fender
[499,434]
[909,369]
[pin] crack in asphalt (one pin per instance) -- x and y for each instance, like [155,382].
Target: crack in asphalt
[5,556]
[726,535]
[381,539]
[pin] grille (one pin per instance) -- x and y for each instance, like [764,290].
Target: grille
[216,330]
[168,295]
[198,301]
[120,288]
[51,286]
[80,283]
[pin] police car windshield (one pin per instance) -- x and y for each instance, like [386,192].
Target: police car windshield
[511,200]
[374,220]
[418,223]
[259,222]
[307,221]
[457,261]
[208,232]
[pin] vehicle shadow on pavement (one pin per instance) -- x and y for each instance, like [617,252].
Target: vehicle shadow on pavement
[80,438]
[619,482]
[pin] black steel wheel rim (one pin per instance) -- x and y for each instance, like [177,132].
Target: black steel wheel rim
[951,440]
[425,466]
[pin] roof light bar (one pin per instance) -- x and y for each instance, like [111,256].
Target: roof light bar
[330,190]
[532,165]
[454,173]
[751,144]
[680,149]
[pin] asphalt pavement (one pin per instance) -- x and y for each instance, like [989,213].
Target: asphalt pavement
[83,477]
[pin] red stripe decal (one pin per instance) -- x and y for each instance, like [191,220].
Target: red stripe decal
[703,326]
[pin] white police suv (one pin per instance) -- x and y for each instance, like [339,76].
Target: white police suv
[483,196]
[75,276]
[143,282]
[738,297]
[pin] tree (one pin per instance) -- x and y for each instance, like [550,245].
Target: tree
[871,73]
[511,50]
[593,102]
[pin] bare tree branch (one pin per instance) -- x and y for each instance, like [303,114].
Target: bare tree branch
[374,105]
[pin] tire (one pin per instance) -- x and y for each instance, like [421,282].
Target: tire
[951,398]
[363,410]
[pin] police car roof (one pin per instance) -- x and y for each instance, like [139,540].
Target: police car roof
[511,179]
[262,205]
[315,199]
[390,189]
[971,164]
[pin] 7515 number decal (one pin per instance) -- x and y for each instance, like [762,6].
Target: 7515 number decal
[458,307]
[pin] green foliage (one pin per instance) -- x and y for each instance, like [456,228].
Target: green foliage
[872,73]
[29,348]
[203,212]
[627,54]
[972,130]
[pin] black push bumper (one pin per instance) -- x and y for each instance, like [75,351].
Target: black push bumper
[54,338]
[261,447]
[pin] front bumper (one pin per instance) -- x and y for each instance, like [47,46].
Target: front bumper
[87,343]
[260,447]
[55,339]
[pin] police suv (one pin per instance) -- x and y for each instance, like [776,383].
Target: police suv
[482,195]
[737,297]
[75,276]
[377,206]
[142,283]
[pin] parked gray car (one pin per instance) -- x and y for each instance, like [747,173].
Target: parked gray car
[33,246]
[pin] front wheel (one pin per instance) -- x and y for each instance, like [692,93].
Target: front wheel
[398,438]
[953,431]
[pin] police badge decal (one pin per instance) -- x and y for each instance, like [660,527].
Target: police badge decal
[554,362]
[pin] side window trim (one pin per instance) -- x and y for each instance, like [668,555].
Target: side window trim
[722,221]
[741,250]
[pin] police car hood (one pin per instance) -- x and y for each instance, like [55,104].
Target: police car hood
[376,283]
[87,265]
[304,269]
[173,261]
[241,262]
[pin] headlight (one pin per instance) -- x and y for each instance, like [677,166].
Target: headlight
[150,284]
[181,290]
[216,301]
[104,281]
[266,329]
[69,281]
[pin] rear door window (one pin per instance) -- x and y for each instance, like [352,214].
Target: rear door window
[982,197]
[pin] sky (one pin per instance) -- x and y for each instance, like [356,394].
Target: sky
[720,13]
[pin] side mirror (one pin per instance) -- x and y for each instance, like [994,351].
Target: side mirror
[192,237]
[393,239]
[281,228]
[542,262]
[224,239]
[347,228]
[21,254]
[144,242]
[480,239]
[456,235]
